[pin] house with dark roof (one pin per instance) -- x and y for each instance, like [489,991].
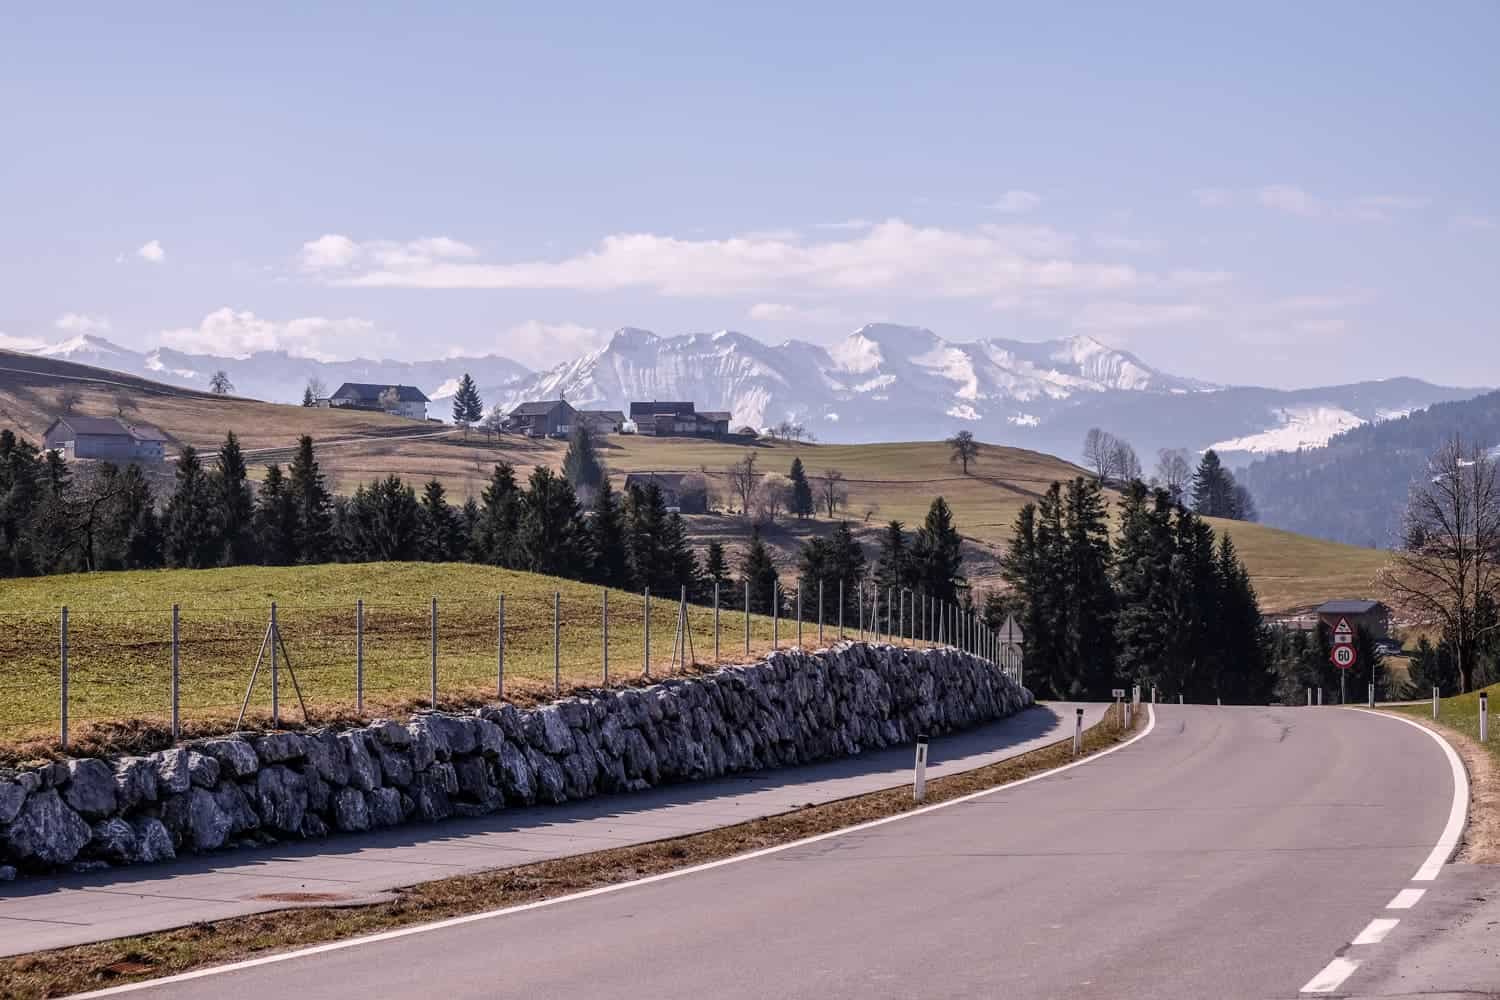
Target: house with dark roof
[397,400]
[543,418]
[105,439]
[677,419]
[1373,616]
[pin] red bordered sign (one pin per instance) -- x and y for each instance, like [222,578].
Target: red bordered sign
[1343,657]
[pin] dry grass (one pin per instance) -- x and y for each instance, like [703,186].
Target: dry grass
[120,644]
[69,970]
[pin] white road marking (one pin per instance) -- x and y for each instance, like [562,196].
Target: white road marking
[1406,899]
[1376,930]
[1448,842]
[1332,976]
[602,890]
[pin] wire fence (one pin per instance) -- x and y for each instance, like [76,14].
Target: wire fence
[87,670]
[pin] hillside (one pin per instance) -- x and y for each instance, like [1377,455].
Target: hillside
[1354,489]
[883,481]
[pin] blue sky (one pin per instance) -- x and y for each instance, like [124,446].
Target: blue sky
[1283,194]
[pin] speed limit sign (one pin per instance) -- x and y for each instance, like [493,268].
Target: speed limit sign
[1343,657]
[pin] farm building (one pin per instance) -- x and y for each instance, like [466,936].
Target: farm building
[396,400]
[678,419]
[105,439]
[1372,616]
[603,421]
[685,493]
[544,418]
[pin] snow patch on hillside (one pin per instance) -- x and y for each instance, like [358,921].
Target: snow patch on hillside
[1298,427]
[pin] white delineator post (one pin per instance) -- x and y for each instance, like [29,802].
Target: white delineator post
[176,676]
[1078,733]
[1309,697]
[1320,696]
[919,776]
[1371,702]
[359,656]
[1484,717]
[1434,701]
[62,642]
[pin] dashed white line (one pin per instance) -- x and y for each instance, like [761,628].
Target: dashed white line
[1376,930]
[1332,976]
[1406,899]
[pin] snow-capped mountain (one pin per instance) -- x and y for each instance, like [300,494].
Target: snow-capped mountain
[880,383]
[281,377]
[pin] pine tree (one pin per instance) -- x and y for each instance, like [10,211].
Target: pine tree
[20,473]
[308,399]
[551,538]
[1088,641]
[802,503]
[846,565]
[894,567]
[275,519]
[758,571]
[678,554]
[314,538]
[499,518]
[645,524]
[1215,493]
[1143,580]
[937,556]
[468,408]
[235,505]
[1034,567]
[192,539]
[468,527]
[606,528]
[581,464]
[382,522]
[1244,675]
[441,534]
[715,566]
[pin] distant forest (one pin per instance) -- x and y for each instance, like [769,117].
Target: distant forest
[1354,488]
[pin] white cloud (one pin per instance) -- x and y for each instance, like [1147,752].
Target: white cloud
[10,343]
[1210,197]
[1126,244]
[1475,222]
[242,333]
[539,345]
[1289,198]
[1017,202]
[893,256]
[81,323]
[846,224]
[780,312]
[151,251]
[335,252]
[1128,316]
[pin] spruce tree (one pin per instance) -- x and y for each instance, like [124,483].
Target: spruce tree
[651,563]
[846,565]
[606,528]
[551,538]
[441,534]
[382,522]
[20,474]
[499,518]
[235,505]
[581,464]
[308,399]
[758,571]
[802,503]
[192,538]
[1213,488]
[1143,581]
[715,566]
[468,526]
[1088,640]
[894,567]
[275,519]
[468,408]
[314,537]
[937,556]
[678,554]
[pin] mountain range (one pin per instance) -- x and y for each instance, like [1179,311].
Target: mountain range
[882,382]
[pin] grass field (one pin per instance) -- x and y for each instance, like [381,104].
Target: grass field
[1462,713]
[120,641]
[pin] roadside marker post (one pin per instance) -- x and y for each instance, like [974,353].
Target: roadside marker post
[500,650]
[1320,697]
[1434,702]
[63,648]
[646,605]
[1118,694]
[359,657]
[1309,697]
[919,775]
[1179,699]
[604,631]
[1078,733]
[1484,717]
[1371,703]
[434,655]
[716,622]
[556,646]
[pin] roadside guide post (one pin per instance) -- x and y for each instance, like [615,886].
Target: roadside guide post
[1434,701]
[1118,694]
[1078,733]
[919,776]
[1484,716]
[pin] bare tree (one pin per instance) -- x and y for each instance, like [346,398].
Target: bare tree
[831,492]
[219,384]
[1101,450]
[1173,472]
[1446,566]
[965,449]
[1126,466]
[772,496]
[493,422]
[741,477]
[390,399]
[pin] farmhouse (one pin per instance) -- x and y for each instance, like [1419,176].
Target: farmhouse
[1372,616]
[105,439]
[603,421]
[682,492]
[544,418]
[678,419]
[397,400]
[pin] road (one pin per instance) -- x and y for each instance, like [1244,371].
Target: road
[1232,852]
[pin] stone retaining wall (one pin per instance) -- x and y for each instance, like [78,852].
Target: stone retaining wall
[253,788]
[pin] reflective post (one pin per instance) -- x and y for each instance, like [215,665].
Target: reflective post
[434,655]
[556,642]
[63,649]
[716,622]
[604,638]
[359,657]
[646,655]
[500,650]
[176,678]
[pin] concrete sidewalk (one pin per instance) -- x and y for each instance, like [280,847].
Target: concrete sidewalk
[41,913]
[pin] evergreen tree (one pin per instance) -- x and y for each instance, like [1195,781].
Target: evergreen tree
[441,533]
[382,522]
[20,475]
[581,464]
[1215,493]
[235,508]
[308,399]
[758,571]
[551,538]
[802,503]
[895,566]
[651,563]
[1143,583]
[677,554]
[468,525]
[1244,675]
[468,408]
[937,556]
[1088,640]
[314,537]
[191,535]
[499,518]
[715,566]
[846,566]
[607,532]
[51,529]
[275,519]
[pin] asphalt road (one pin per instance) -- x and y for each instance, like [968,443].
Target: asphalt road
[1231,853]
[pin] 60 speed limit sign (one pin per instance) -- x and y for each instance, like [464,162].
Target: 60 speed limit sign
[1343,657]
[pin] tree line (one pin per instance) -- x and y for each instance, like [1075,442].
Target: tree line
[1211,489]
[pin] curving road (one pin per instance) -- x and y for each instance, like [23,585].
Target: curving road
[1232,852]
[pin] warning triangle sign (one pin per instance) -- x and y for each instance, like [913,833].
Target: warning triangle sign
[1342,628]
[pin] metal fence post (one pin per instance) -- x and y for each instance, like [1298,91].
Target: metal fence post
[747,619]
[176,676]
[820,611]
[646,660]
[434,635]
[604,637]
[841,608]
[557,642]
[63,648]
[776,614]
[859,598]
[716,623]
[500,649]
[275,671]
[799,615]
[359,656]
